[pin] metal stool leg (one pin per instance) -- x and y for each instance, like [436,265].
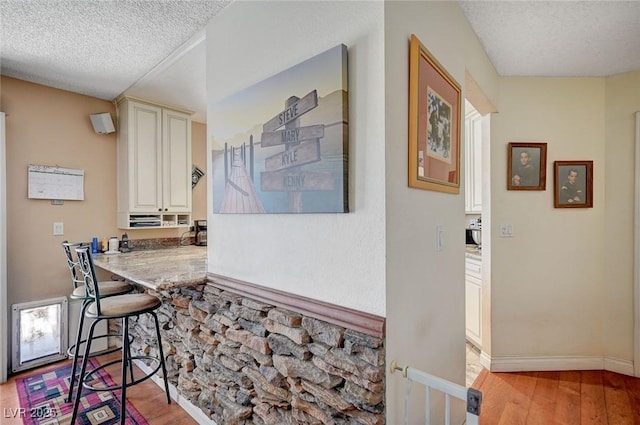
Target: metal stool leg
[85,304]
[83,369]
[164,367]
[126,358]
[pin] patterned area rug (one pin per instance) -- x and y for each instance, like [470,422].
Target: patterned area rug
[43,397]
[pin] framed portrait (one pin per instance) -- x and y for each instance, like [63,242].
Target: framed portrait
[434,123]
[526,166]
[573,184]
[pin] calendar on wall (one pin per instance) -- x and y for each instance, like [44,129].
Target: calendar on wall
[52,182]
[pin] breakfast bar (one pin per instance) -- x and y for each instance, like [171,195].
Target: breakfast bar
[237,353]
[158,269]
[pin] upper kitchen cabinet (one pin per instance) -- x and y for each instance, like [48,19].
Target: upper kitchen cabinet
[473,160]
[154,165]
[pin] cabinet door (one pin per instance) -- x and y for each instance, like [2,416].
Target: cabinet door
[473,301]
[145,157]
[176,144]
[473,157]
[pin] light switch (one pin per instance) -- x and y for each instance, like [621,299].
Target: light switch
[506,230]
[58,229]
[439,238]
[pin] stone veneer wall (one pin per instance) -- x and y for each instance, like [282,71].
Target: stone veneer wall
[245,362]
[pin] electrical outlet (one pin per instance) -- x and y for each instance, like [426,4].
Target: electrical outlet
[58,229]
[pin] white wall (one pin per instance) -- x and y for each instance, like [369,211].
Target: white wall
[337,258]
[425,288]
[548,280]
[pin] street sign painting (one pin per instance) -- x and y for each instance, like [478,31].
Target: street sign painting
[280,146]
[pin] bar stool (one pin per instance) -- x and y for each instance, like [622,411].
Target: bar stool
[116,307]
[107,289]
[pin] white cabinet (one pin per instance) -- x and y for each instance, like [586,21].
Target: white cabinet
[473,299]
[154,165]
[473,160]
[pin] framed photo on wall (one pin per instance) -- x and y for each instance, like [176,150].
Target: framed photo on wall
[434,123]
[573,184]
[527,166]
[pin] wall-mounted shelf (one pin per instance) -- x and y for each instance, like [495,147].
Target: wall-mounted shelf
[153,221]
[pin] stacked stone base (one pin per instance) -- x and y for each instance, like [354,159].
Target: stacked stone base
[245,362]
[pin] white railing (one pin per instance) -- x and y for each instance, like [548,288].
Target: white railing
[471,396]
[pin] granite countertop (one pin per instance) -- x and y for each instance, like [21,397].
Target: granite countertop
[159,269]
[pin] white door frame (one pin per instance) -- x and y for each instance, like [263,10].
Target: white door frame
[4,318]
[636,255]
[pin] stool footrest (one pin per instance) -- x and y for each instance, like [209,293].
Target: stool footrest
[72,349]
[88,375]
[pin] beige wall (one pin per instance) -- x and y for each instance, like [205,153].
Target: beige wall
[622,100]
[562,287]
[547,280]
[199,158]
[52,127]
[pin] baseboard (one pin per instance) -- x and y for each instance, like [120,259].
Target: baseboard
[624,367]
[192,410]
[529,364]
[485,360]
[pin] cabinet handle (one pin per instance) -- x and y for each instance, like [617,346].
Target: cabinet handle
[166,209]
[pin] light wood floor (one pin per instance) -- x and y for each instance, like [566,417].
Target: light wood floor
[147,397]
[562,398]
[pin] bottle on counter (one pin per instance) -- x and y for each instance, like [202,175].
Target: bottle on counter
[113,244]
[105,244]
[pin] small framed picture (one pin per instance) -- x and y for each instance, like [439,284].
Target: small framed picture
[573,187]
[527,166]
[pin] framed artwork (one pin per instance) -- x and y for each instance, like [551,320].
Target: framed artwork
[281,145]
[434,123]
[527,166]
[573,186]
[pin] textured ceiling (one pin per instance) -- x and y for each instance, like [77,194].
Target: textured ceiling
[98,48]
[558,38]
[153,48]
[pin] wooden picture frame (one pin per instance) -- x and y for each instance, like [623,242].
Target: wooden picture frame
[526,166]
[573,184]
[435,101]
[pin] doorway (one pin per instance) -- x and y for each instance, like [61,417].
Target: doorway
[478,217]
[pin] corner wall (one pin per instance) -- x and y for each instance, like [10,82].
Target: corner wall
[548,281]
[425,287]
[622,100]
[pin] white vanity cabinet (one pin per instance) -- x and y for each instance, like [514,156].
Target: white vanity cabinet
[473,298]
[154,165]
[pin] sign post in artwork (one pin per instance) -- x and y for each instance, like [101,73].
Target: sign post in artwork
[302,146]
